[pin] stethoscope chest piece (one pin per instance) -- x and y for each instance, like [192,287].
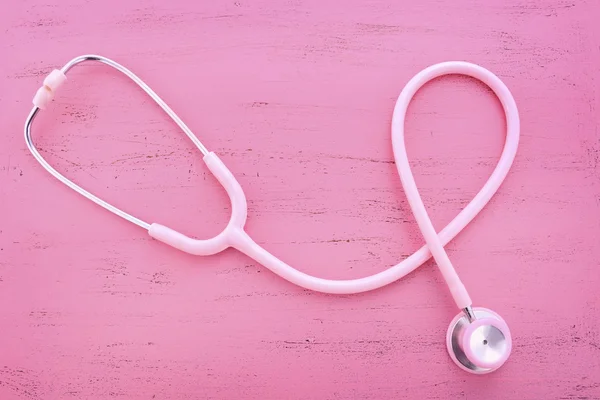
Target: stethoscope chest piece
[479,346]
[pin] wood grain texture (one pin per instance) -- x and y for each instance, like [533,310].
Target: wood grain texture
[296,96]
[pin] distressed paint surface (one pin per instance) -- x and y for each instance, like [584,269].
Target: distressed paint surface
[296,97]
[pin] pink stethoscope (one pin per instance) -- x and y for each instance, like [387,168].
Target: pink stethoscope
[478,339]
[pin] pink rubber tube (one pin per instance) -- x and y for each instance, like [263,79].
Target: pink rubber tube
[235,236]
[435,243]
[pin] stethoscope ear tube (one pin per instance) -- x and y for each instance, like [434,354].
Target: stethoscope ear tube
[478,339]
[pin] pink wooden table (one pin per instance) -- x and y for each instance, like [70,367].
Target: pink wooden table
[296,97]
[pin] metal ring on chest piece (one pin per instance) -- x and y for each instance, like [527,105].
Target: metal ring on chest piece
[480,346]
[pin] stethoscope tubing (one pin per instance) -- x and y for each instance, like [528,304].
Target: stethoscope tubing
[235,236]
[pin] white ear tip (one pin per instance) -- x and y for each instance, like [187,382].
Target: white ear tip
[54,80]
[46,93]
[42,97]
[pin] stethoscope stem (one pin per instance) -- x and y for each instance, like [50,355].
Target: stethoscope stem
[469,313]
